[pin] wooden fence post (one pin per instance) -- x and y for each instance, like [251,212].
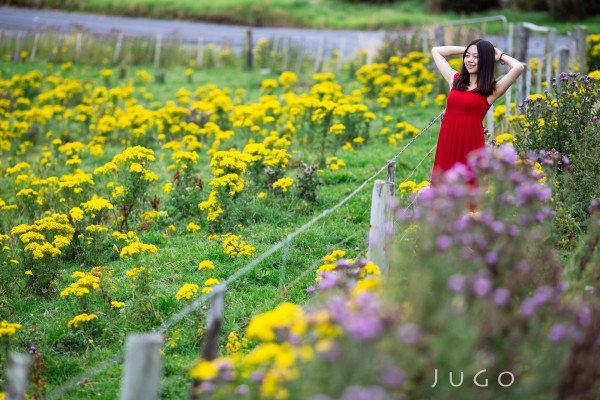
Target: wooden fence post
[17,372]
[157,46]
[563,65]
[538,76]
[143,367]
[299,57]
[213,327]
[510,38]
[438,34]
[425,42]
[527,88]
[18,39]
[320,54]
[381,219]
[36,41]
[118,46]
[199,51]
[340,60]
[521,42]
[248,46]
[578,36]
[490,121]
[285,55]
[549,50]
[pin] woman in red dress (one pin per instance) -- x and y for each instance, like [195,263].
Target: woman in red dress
[472,91]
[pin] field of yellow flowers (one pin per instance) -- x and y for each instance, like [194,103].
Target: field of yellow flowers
[124,199]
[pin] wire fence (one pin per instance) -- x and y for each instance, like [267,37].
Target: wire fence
[61,390]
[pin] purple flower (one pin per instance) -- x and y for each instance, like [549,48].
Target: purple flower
[443,242]
[393,377]
[491,258]
[207,387]
[456,283]
[329,280]
[481,286]
[528,307]
[355,392]
[501,296]
[409,333]
[242,390]
[557,333]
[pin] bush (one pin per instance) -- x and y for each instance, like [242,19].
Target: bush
[462,6]
[573,9]
[567,119]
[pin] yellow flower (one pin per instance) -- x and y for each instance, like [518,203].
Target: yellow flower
[80,320]
[8,328]
[505,138]
[134,272]
[192,227]
[261,195]
[186,291]
[283,184]
[204,370]
[167,188]
[206,264]
[117,304]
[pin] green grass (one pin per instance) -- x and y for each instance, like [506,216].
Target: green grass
[335,14]
[263,223]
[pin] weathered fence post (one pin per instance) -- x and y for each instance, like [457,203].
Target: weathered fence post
[248,49]
[298,67]
[286,54]
[213,327]
[438,35]
[490,120]
[118,46]
[563,65]
[527,88]
[340,59]
[425,42]
[320,55]
[538,76]
[143,367]
[521,88]
[578,36]
[381,220]
[199,51]
[17,372]
[510,38]
[549,56]
[521,42]
[157,45]
[17,53]
[36,41]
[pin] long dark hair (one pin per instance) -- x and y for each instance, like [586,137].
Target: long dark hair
[486,84]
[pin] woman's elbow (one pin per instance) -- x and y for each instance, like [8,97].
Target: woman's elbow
[434,49]
[520,68]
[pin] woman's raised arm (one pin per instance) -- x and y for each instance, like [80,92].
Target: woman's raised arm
[516,69]
[439,53]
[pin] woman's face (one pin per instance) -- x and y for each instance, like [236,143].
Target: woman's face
[471,59]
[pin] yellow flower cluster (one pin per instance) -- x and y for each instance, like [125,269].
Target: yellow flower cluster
[335,163]
[136,248]
[84,284]
[234,247]
[505,138]
[412,187]
[8,328]
[206,265]
[192,227]
[45,236]
[186,291]
[283,184]
[208,284]
[134,272]
[81,320]
[234,343]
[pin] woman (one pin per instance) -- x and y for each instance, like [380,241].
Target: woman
[472,92]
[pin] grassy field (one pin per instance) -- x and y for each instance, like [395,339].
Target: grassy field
[335,14]
[263,223]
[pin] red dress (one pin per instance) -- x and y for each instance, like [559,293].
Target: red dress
[461,130]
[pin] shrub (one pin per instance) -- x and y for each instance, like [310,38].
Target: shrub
[573,9]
